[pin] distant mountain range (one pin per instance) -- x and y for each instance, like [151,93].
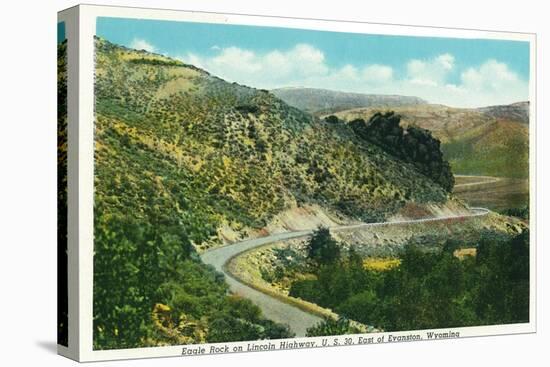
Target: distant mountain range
[319,101]
[516,111]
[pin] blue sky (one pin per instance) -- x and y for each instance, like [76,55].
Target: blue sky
[60,32]
[456,72]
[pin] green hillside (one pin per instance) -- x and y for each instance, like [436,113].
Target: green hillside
[499,148]
[492,141]
[180,153]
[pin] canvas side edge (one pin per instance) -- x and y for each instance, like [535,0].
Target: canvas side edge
[70,18]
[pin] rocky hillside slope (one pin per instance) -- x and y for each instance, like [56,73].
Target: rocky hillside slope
[177,145]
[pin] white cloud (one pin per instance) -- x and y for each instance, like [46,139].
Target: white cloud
[308,60]
[490,83]
[378,73]
[348,72]
[430,72]
[302,64]
[263,70]
[236,61]
[141,44]
[492,75]
[438,80]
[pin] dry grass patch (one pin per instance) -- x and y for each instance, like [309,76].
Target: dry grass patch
[464,252]
[381,263]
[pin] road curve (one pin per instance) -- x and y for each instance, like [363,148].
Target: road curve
[272,308]
[298,320]
[483,180]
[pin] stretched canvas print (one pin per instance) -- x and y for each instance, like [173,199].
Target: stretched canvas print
[232,183]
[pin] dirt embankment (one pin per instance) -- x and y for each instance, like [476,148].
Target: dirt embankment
[296,218]
[308,217]
[452,208]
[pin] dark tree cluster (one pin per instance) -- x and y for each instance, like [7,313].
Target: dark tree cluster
[247,108]
[157,62]
[412,144]
[521,212]
[322,249]
[332,119]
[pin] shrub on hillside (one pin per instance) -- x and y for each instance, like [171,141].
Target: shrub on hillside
[322,248]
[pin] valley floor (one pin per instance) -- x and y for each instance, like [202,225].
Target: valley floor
[495,193]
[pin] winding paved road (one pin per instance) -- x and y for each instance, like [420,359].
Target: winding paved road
[272,308]
[483,180]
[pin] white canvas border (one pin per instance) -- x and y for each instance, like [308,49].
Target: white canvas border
[83,270]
